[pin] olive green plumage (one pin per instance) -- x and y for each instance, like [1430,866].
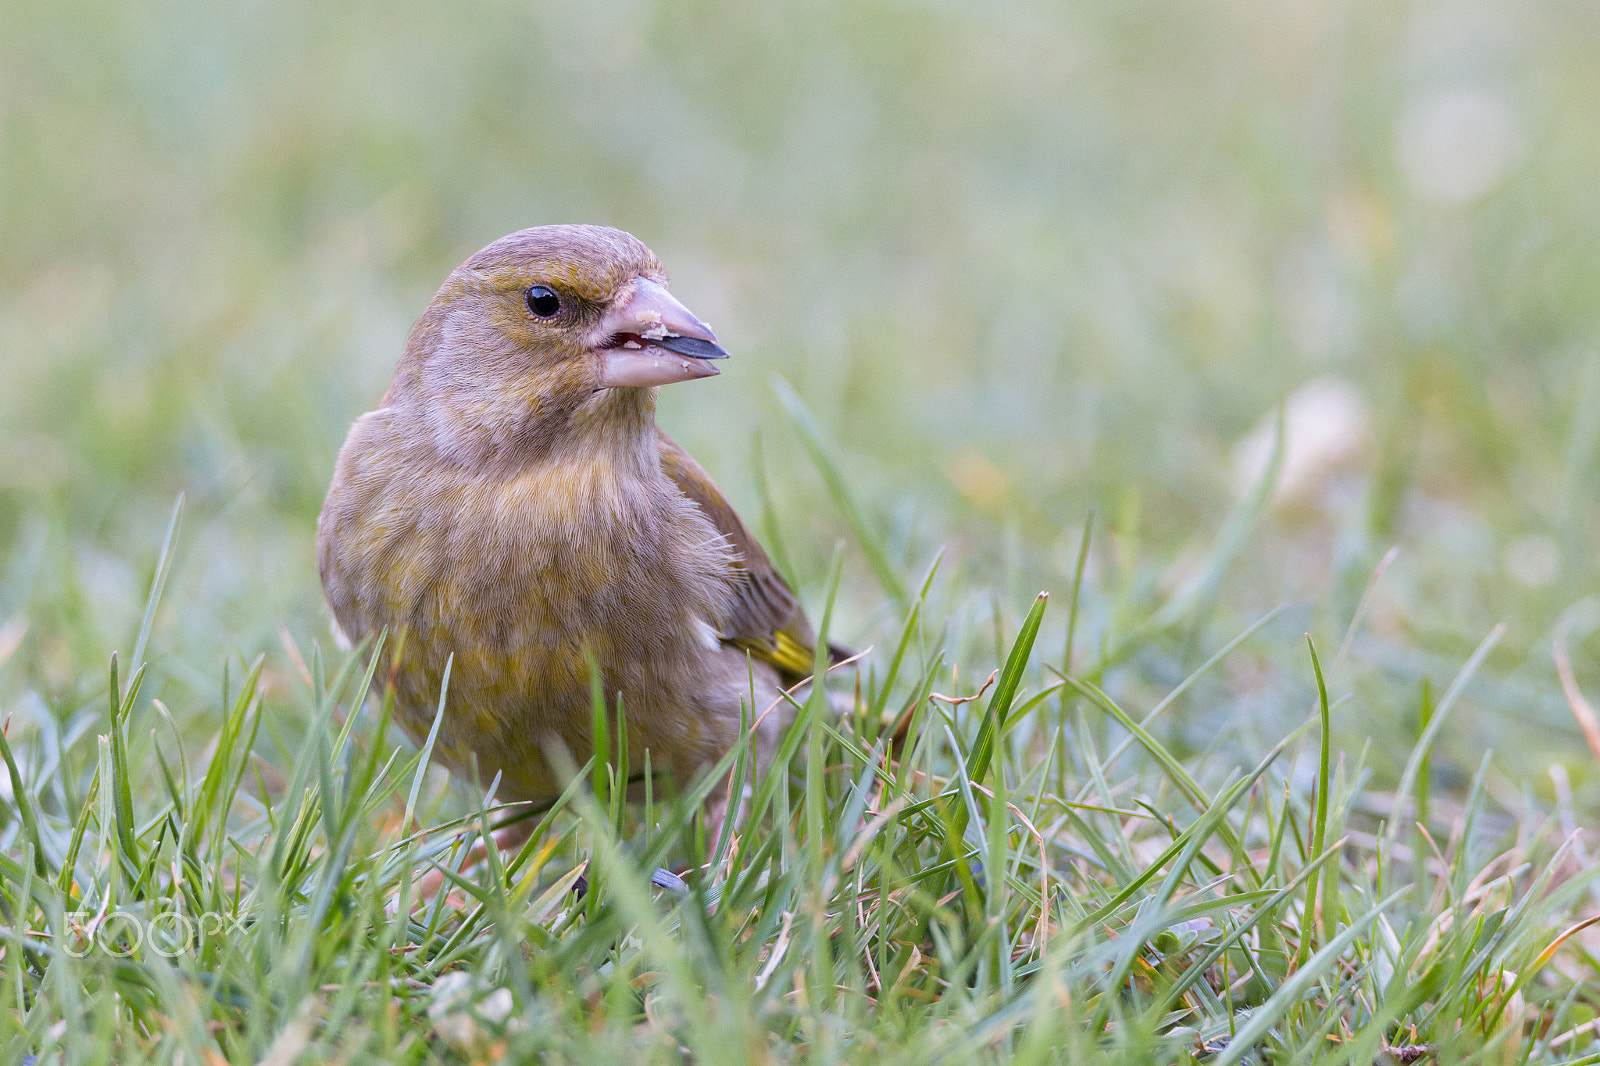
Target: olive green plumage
[512,504]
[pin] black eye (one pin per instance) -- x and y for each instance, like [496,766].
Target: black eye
[543,301]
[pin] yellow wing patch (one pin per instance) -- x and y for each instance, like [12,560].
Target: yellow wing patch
[787,655]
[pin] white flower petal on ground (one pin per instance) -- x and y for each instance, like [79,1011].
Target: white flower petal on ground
[1326,423]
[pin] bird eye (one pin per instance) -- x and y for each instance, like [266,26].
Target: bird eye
[543,301]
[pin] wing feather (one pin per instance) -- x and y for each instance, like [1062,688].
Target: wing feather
[765,618]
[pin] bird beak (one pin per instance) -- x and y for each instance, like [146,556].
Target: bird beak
[649,338]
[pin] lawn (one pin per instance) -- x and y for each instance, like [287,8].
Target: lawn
[1261,339]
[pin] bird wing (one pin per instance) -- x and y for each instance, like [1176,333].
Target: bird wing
[765,619]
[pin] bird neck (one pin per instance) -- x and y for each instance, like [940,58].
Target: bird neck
[614,426]
[617,423]
[617,411]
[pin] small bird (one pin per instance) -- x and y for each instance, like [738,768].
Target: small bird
[512,505]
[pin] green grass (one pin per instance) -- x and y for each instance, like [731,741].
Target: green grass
[1024,873]
[986,271]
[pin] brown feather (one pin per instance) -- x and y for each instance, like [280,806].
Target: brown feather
[764,618]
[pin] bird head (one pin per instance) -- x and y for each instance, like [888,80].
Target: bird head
[541,323]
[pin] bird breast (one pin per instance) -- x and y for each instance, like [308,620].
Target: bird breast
[521,573]
[586,552]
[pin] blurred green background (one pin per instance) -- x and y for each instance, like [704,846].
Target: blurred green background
[1021,261]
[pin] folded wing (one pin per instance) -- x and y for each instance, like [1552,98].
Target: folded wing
[765,619]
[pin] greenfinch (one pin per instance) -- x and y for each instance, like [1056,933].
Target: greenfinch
[511,508]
